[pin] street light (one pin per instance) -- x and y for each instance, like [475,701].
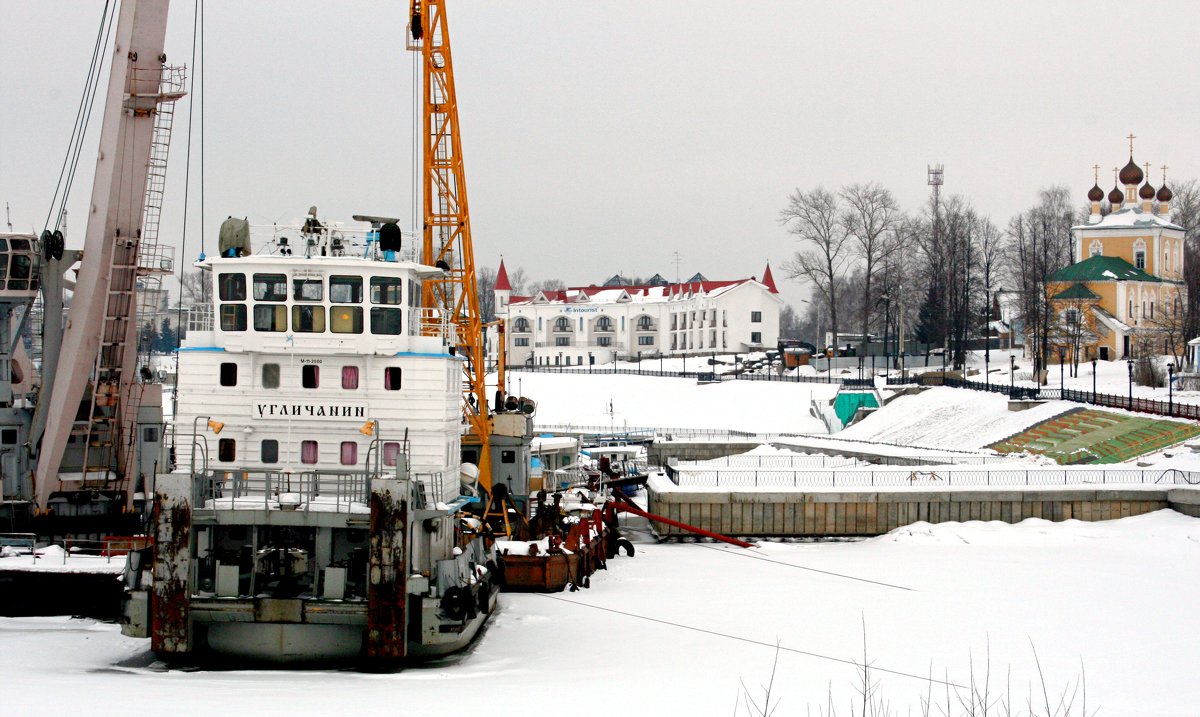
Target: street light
[1012,372]
[1062,355]
[1170,388]
[1093,380]
[1129,363]
[860,368]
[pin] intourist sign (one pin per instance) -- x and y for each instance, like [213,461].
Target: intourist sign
[348,410]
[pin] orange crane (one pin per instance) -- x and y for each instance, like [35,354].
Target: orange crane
[446,230]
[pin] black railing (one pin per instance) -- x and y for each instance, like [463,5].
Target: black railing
[703,374]
[1170,409]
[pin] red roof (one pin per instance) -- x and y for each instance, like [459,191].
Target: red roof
[502,279]
[768,280]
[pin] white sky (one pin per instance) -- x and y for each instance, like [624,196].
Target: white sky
[603,136]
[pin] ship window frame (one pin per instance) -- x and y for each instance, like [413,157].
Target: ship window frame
[379,314]
[301,286]
[390,384]
[508,456]
[271,455]
[352,282]
[316,452]
[350,377]
[229,288]
[352,458]
[310,373]
[228,373]
[266,282]
[272,371]
[315,318]
[233,317]
[391,449]
[276,312]
[351,325]
[382,287]
[226,450]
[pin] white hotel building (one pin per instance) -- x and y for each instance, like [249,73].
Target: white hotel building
[596,324]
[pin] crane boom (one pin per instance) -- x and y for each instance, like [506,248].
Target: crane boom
[447,222]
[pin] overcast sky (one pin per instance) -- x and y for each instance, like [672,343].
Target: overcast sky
[604,136]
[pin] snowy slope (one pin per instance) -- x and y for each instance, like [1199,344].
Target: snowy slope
[950,418]
[582,399]
[1114,596]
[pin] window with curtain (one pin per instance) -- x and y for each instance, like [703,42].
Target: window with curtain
[349,377]
[270,451]
[308,452]
[391,378]
[349,453]
[390,451]
[310,376]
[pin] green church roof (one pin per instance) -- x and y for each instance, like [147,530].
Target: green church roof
[1077,291]
[1102,268]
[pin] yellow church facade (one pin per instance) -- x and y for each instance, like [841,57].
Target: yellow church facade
[1124,295]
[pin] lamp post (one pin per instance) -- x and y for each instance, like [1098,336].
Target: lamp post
[860,368]
[1061,378]
[1129,363]
[215,426]
[1170,388]
[1093,380]
[1012,373]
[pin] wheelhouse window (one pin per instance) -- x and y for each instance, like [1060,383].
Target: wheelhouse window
[349,453]
[308,452]
[270,375]
[308,290]
[270,318]
[350,377]
[231,287]
[391,378]
[233,317]
[345,289]
[228,374]
[310,375]
[387,290]
[270,287]
[308,319]
[269,452]
[226,450]
[345,319]
[386,321]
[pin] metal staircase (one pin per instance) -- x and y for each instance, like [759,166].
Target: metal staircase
[134,280]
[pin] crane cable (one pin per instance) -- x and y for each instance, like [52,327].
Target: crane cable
[83,115]
[739,638]
[744,554]
[187,178]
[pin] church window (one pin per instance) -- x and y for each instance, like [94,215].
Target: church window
[1139,259]
[1071,317]
[1096,248]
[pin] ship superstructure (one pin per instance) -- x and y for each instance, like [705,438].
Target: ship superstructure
[315,510]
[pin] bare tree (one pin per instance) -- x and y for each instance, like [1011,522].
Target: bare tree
[197,288]
[485,283]
[1185,211]
[870,219]
[815,219]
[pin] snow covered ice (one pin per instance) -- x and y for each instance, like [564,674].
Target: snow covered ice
[1115,596]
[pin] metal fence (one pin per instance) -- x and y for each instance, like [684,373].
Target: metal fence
[706,374]
[929,479]
[1168,408]
[288,491]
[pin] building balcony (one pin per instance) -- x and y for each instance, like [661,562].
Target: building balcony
[644,328]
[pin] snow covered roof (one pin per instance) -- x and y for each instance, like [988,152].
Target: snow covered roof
[633,293]
[1102,268]
[1076,291]
[1131,218]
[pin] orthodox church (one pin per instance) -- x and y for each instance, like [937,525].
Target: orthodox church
[1124,295]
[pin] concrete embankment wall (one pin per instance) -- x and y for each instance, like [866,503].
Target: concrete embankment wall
[865,513]
[659,452]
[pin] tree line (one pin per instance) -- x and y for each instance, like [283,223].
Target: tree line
[939,271]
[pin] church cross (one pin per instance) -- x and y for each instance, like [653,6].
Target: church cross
[1096,173]
[1131,138]
[1164,174]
